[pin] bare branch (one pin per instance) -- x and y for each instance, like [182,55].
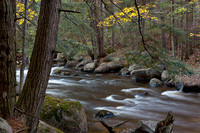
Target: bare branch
[61,10]
[140,31]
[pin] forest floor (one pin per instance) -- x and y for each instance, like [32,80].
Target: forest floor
[16,125]
[194,63]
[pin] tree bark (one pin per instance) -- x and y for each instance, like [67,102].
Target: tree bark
[33,92]
[98,37]
[162,17]
[7,57]
[24,48]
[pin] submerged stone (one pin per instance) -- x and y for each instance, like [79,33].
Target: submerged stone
[104,114]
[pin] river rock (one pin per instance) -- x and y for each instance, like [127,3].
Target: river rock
[60,70]
[90,67]
[154,82]
[145,74]
[132,67]
[68,116]
[109,58]
[60,57]
[124,71]
[104,114]
[66,73]
[5,127]
[115,66]
[71,64]
[179,85]
[81,65]
[165,76]
[102,68]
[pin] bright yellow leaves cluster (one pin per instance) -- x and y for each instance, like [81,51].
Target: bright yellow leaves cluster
[127,14]
[192,34]
[20,13]
[192,1]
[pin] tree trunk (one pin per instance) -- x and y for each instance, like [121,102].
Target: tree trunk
[187,52]
[163,22]
[98,38]
[173,23]
[100,32]
[33,92]
[24,48]
[7,57]
[113,31]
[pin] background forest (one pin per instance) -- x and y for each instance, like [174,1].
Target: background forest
[154,35]
[169,30]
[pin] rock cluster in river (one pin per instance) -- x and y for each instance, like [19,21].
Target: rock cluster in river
[156,77]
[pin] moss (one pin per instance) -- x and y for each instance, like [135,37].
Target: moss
[53,107]
[46,128]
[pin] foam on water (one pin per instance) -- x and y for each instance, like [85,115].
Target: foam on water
[63,82]
[180,96]
[124,101]
[136,89]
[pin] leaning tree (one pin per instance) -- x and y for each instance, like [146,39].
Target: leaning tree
[7,57]
[29,103]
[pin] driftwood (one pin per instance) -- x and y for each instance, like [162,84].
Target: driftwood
[165,126]
[110,128]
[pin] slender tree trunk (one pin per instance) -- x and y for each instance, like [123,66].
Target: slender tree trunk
[187,38]
[197,12]
[173,23]
[113,31]
[33,92]
[7,57]
[98,36]
[163,22]
[100,29]
[24,47]
[93,25]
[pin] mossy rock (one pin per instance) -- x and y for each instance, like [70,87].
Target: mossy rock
[68,116]
[46,128]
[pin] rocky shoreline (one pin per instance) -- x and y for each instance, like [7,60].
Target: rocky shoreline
[156,77]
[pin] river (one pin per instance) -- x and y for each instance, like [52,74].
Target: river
[127,100]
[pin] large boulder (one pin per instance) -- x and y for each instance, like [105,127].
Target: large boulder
[145,74]
[68,116]
[5,127]
[154,82]
[81,65]
[124,71]
[102,68]
[90,67]
[115,66]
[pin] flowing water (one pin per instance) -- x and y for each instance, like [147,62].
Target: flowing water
[127,100]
